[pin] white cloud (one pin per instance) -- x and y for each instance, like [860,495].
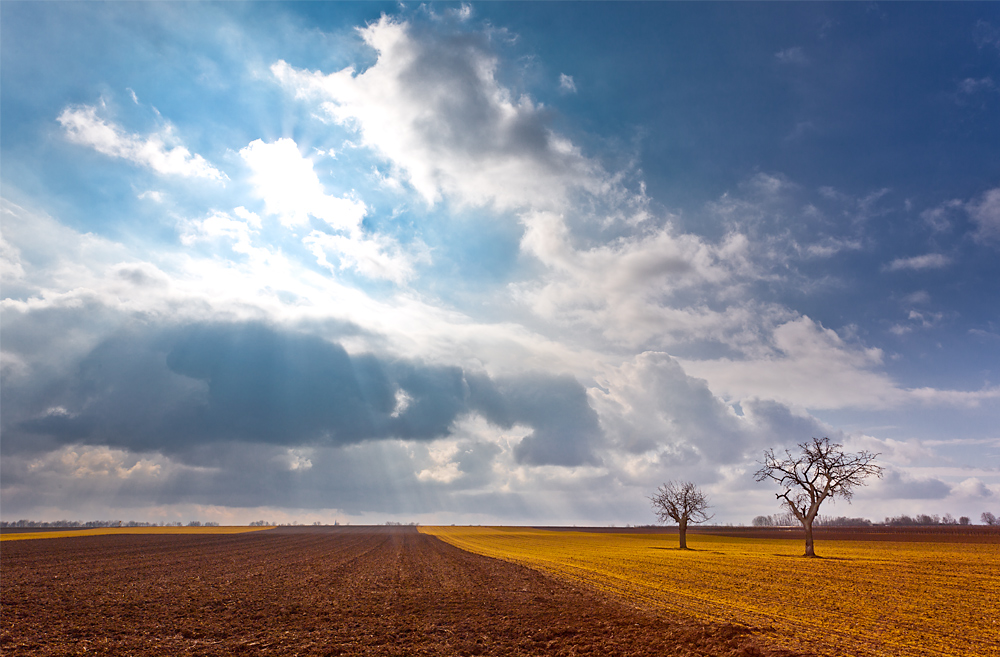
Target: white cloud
[626,288]
[239,230]
[566,83]
[649,405]
[985,212]
[806,366]
[972,487]
[435,109]
[918,263]
[83,126]
[83,461]
[374,257]
[10,261]
[151,195]
[831,246]
[960,398]
[291,190]
[813,367]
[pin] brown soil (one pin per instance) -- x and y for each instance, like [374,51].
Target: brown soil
[318,591]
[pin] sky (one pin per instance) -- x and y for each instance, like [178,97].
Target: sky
[494,263]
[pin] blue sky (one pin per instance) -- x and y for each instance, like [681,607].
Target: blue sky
[495,262]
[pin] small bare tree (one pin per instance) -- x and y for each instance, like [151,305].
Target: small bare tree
[821,471]
[681,502]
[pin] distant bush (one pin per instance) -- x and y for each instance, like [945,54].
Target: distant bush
[777,520]
[843,521]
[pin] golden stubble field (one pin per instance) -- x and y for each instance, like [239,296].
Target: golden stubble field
[877,598]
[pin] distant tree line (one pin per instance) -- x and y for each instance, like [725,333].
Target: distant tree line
[294,523]
[789,520]
[99,523]
[922,519]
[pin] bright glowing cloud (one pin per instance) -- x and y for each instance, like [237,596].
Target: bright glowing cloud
[83,126]
[291,190]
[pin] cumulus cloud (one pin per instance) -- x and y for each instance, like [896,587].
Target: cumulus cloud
[629,289]
[972,487]
[917,263]
[566,83]
[432,105]
[650,404]
[83,126]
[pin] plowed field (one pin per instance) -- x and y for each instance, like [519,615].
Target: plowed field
[318,591]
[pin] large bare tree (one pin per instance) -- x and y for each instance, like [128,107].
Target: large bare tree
[820,472]
[682,502]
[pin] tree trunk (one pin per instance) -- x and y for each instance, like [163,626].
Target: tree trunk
[808,525]
[682,532]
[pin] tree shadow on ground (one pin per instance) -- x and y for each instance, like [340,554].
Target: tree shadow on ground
[678,549]
[818,557]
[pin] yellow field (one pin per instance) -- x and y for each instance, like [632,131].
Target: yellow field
[99,531]
[864,598]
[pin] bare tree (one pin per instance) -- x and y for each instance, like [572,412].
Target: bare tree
[681,502]
[821,471]
[988,518]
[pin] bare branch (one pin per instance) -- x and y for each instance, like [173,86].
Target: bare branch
[681,502]
[821,470]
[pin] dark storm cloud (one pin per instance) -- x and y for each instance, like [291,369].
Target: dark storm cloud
[174,390]
[565,426]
